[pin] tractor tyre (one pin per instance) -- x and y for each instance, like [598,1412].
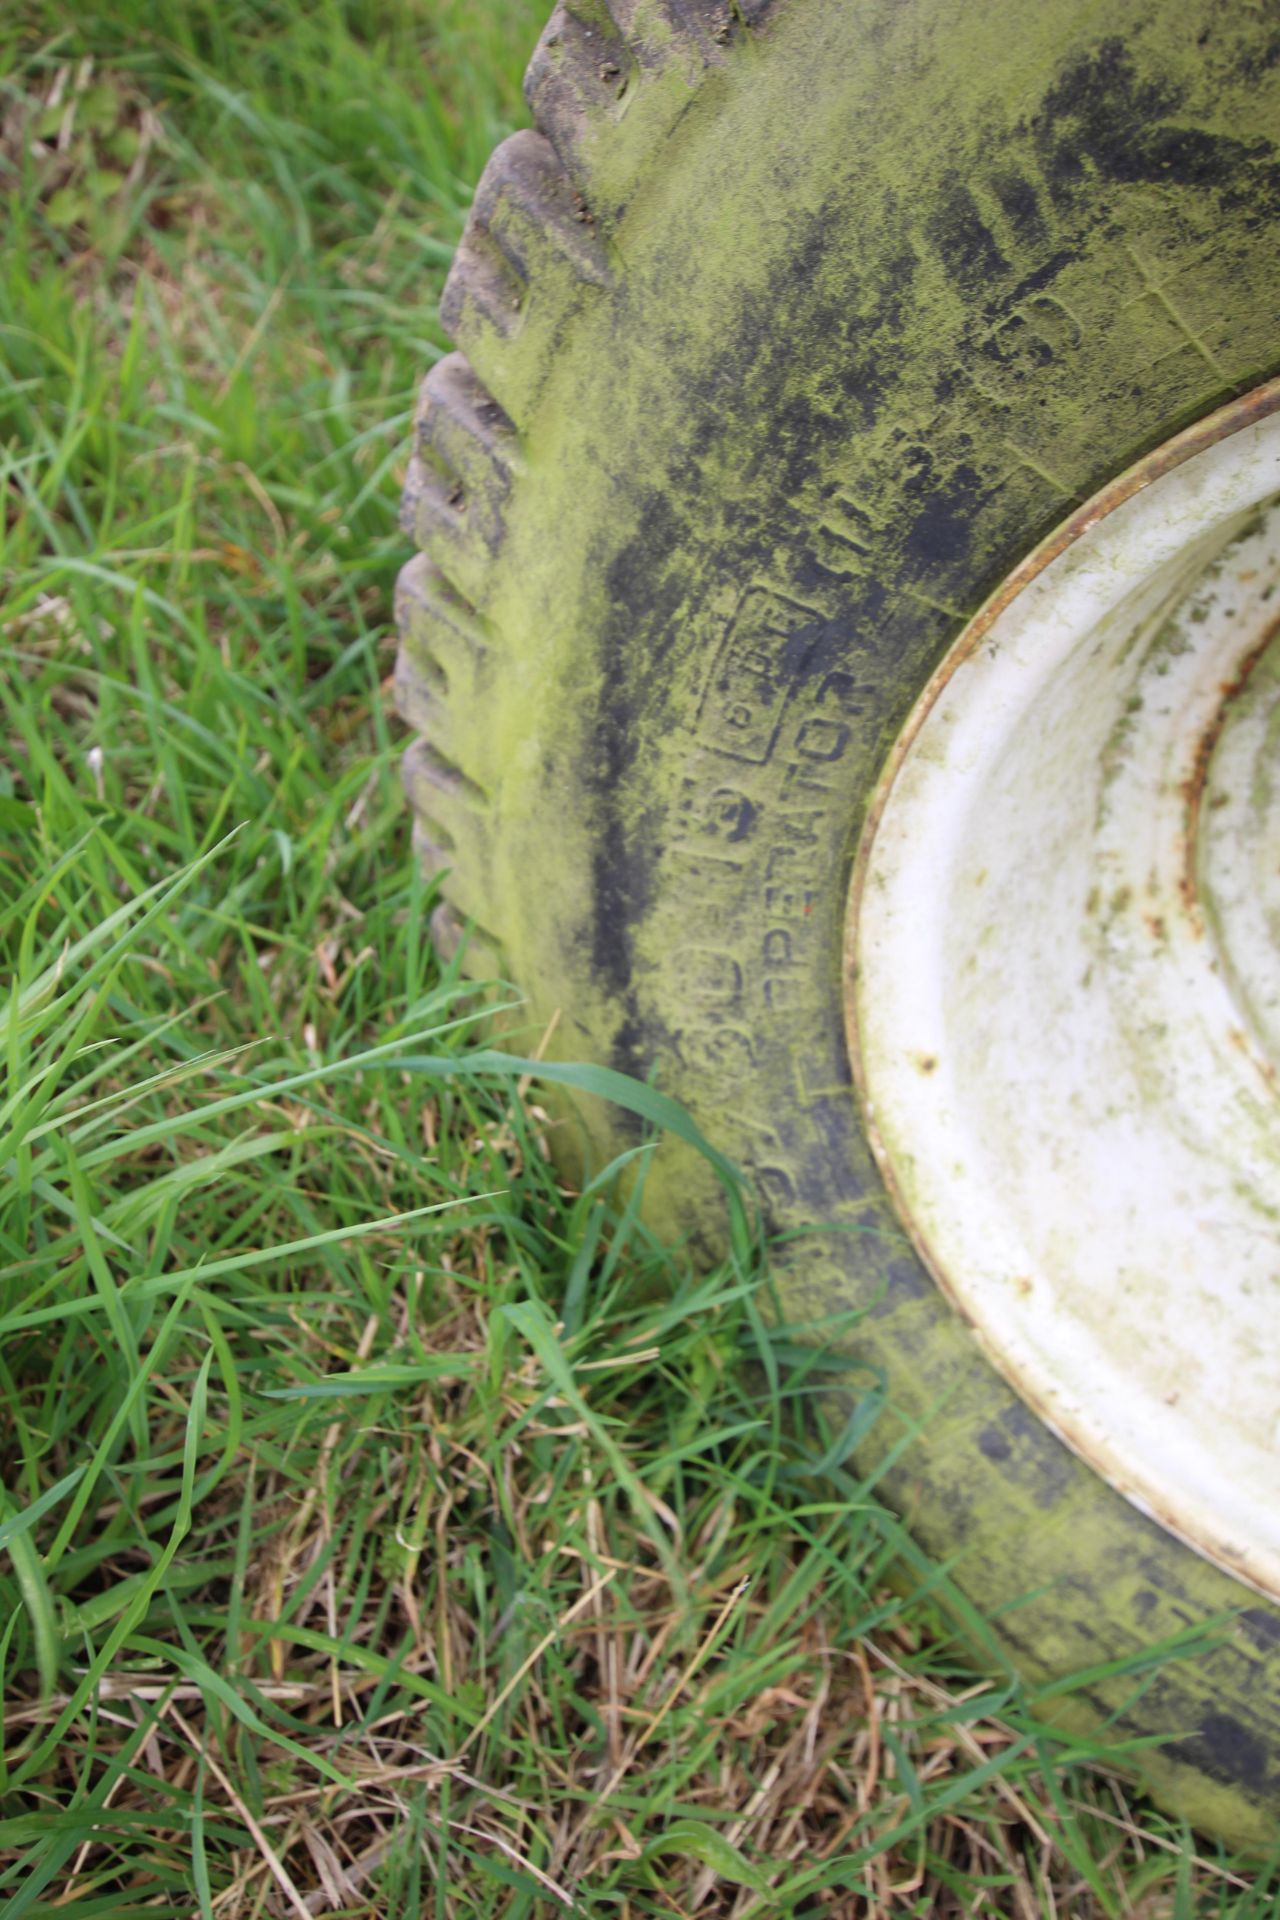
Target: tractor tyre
[842,658]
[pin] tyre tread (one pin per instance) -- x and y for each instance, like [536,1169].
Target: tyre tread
[608,82]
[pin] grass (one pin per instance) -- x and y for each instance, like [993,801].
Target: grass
[389,1529]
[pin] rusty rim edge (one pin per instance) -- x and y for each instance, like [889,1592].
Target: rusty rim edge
[1258,404]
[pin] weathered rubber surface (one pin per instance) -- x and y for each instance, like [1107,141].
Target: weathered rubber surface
[787,333]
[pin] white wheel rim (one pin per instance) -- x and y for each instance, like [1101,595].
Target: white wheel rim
[1065,983]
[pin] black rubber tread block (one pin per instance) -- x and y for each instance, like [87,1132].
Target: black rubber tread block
[465,455]
[530,253]
[608,82]
[451,819]
[442,667]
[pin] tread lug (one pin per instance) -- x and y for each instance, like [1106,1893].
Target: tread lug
[456,491]
[530,206]
[607,84]
[451,821]
[483,959]
[529,251]
[441,668]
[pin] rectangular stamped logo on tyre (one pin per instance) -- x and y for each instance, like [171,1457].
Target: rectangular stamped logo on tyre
[764,651]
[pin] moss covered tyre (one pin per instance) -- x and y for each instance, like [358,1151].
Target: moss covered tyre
[841,650]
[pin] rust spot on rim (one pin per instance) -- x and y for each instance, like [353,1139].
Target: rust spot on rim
[1193,787]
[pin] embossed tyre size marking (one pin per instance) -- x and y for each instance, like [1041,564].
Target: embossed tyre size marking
[843,535]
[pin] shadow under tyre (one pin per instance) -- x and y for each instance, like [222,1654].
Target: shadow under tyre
[843,648]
